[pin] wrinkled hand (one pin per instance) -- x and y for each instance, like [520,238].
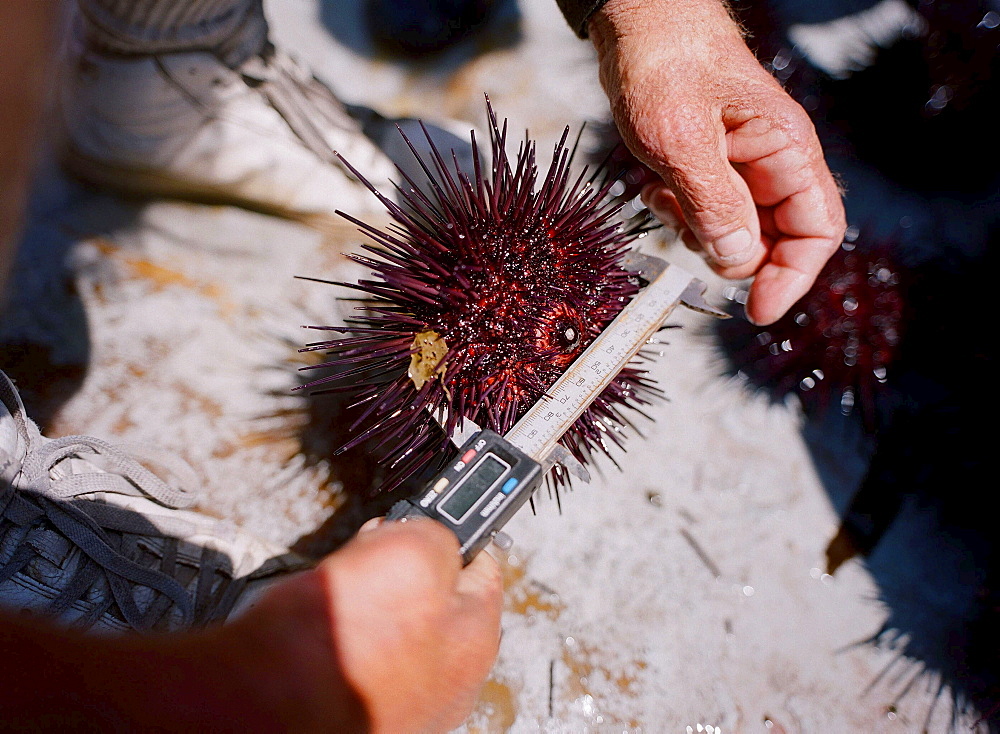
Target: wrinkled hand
[414,634]
[418,634]
[745,177]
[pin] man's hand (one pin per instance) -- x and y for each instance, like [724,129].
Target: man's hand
[745,177]
[389,634]
[417,633]
[395,616]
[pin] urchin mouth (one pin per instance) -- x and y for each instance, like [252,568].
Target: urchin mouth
[566,334]
[561,333]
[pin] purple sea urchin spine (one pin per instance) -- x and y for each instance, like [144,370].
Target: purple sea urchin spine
[610,151]
[486,287]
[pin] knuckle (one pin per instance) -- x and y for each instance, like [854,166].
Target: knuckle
[795,116]
[799,128]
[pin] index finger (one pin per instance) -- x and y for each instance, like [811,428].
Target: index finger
[481,578]
[802,214]
[796,258]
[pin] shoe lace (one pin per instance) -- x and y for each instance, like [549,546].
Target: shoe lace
[304,102]
[299,98]
[51,480]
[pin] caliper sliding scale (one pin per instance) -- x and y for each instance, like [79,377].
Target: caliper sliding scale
[495,475]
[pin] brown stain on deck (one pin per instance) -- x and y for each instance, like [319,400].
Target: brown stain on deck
[495,711]
[525,596]
[588,675]
[160,277]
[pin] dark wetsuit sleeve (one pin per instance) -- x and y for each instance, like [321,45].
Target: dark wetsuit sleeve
[577,12]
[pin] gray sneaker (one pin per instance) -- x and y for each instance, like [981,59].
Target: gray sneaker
[92,538]
[184,125]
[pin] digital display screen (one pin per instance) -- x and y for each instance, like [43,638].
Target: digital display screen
[476,484]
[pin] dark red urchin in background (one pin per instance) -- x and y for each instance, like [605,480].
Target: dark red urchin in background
[610,151]
[836,344]
[486,288]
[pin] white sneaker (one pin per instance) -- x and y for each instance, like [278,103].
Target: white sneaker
[184,125]
[95,540]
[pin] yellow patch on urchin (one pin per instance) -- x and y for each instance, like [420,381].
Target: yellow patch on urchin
[429,349]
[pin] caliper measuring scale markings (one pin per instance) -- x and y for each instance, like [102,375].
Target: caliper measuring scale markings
[495,475]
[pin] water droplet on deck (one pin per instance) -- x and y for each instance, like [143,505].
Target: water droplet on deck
[938,101]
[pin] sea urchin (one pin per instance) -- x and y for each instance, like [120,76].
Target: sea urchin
[487,287]
[838,342]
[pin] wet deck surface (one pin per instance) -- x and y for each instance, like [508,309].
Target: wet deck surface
[686,592]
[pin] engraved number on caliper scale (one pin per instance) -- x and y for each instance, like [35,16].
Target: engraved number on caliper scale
[545,423]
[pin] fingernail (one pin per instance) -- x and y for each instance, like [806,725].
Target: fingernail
[371,525]
[734,248]
[660,209]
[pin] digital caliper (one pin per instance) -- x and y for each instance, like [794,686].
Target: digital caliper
[495,475]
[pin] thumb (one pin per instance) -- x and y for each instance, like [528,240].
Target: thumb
[714,200]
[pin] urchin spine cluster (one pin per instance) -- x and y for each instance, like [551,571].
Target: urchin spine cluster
[486,287]
[837,343]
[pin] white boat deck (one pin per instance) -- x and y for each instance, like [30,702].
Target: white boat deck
[685,593]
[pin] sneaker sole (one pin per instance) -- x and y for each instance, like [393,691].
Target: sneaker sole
[136,183]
